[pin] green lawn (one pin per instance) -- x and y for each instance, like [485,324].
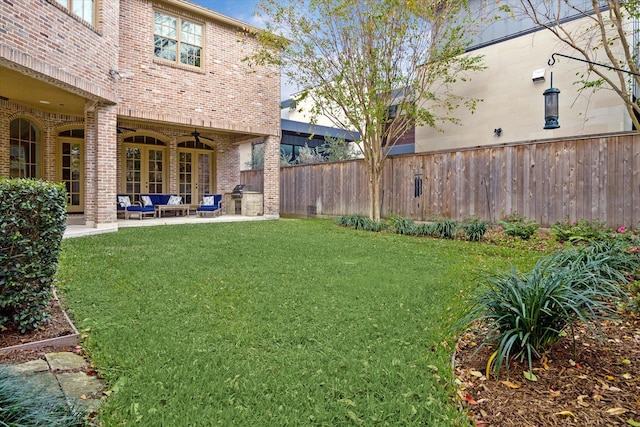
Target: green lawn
[273,323]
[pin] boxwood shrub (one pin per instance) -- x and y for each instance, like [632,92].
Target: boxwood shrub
[32,222]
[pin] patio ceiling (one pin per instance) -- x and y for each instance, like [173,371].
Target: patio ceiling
[27,90]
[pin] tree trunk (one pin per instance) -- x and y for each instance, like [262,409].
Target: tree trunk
[375,194]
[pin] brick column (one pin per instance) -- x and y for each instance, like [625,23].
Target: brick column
[100,166]
[89,164]
[272,176]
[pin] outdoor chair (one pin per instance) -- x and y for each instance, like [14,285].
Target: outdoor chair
[211,203]
[125,206]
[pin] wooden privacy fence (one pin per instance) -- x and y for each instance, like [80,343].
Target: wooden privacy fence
[596,178]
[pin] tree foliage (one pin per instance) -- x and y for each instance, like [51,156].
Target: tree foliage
[608,37]
[356,59]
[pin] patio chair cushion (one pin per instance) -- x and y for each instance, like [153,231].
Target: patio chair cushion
[124,201]
[136,208]
[174,200]
[146,201]
[208,201]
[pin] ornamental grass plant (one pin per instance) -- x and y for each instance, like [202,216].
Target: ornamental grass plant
[528,312]
[26,403]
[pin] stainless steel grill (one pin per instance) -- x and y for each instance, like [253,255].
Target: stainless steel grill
[238,190]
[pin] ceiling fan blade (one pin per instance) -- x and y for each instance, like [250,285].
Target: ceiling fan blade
[121,129]
[206,137]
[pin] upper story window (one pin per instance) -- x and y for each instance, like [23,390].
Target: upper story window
[82,8]
[177,39]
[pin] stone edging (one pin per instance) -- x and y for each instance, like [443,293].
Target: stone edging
[58,342]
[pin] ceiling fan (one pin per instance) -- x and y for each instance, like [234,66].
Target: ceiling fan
[121,129]
[196,135]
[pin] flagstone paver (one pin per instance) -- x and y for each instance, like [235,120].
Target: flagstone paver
[65,361]
[63,373]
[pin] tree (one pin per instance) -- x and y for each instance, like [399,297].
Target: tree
[337,149]
[355,59]
[608,29]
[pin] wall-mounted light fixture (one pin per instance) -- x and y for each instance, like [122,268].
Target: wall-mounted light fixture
[497,131]
[115,74]
[538,75]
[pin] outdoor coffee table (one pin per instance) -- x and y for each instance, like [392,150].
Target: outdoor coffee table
[183,209]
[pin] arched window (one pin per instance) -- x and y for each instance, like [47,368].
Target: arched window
[25,153]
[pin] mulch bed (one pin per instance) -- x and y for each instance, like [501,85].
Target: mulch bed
[57,326]
[598,386]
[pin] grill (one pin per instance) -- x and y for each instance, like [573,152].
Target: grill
[238,190]
[237,194]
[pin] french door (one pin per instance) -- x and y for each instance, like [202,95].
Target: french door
[71,173]
[195,174]
[144,170]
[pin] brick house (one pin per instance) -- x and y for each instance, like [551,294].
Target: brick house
[132,96]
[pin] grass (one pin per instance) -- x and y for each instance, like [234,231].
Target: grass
[291,322]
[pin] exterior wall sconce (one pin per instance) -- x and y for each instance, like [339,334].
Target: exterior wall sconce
[497,132]
[551,106]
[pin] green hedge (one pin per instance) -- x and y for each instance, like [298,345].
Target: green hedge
[32,222]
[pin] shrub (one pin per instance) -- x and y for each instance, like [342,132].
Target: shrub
[527,313]
[428,229]
[376,226]
[24,403]
[402,225]
[607,261]
[475,229]
[516,225]
[580,231]
[353,221]
[360,222]
[446,229]
[634,296]
[32,222]
[308,155]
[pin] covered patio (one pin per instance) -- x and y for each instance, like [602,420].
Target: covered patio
[77,228]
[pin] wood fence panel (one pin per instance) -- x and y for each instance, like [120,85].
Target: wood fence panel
[626,188]
[470,183]
[590,178]
[581,197]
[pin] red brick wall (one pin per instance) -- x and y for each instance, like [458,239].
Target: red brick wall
[41,36]
[225,93]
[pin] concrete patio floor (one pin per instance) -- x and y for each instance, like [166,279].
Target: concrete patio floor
[74,229]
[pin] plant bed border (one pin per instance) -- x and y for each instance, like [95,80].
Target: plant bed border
[68,340]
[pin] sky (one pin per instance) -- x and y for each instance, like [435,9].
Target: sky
[238,9]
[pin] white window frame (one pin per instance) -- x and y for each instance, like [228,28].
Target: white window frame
[182,42]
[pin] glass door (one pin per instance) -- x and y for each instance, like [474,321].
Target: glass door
[204,174]
[155,172]
[195,174]
[133,172]
[185,177]
[71,173]
[143,171]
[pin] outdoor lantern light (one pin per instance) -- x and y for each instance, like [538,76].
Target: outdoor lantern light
[551,106]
